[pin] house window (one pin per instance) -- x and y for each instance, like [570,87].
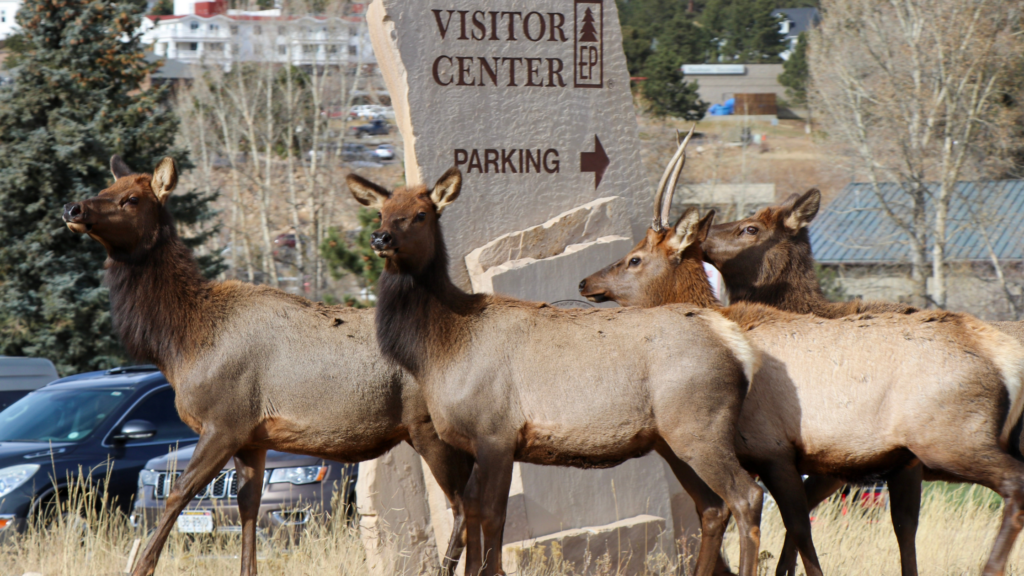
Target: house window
[332,48]
[257,30]
[215,46]
[3,15]
[235,50]
[309,48]
[352,30]
[282,50]
[188,46]
[234,30]
[352,50]
[281,30]
[214,27]
[194,26]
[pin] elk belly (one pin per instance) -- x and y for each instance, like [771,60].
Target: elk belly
[553,443]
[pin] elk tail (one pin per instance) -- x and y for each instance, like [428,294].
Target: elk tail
[1008,356]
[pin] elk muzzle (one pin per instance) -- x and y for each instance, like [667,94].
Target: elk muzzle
[74,217]
[382,243]
[587,291]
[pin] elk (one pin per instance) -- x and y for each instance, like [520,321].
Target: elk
[827,401]
[508,380]
[253,368]
[767,258]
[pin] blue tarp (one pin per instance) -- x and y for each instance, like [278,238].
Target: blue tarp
[722,109]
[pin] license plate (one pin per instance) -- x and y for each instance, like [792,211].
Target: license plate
[195,521]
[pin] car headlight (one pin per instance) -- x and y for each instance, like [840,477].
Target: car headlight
[148,478]
[14,476]
[300,475]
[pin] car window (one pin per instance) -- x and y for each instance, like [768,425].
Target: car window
[58,415]
[159,409]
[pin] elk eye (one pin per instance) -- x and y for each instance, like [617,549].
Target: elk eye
[379,218]
[420,217]
[752,230]
[133,200]
[634,261]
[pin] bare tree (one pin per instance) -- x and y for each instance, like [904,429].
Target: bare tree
[911,92]
[266,114]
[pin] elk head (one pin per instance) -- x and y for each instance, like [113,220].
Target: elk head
[758,252]
[126,217]
[408,236]
[666,266]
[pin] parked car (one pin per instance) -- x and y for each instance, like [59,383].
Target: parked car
[375,128]
[352,152]
[19,376]
[366,111]
[294,489]
[107,424]
[384,152]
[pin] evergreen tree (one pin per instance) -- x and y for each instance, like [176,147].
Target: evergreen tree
[795,73]
[163,8]
[354,256]
[637,49]
[666,91]
[744,30]
[76,100]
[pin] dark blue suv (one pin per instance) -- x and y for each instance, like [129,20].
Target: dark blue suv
[106,424]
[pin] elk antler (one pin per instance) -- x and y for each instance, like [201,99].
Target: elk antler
[662,205]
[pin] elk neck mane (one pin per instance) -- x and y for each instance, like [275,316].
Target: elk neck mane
[157,299]
[422,315]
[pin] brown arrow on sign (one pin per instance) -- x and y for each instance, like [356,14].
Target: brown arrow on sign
[596,161]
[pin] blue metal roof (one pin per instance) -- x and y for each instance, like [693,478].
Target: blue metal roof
[854,228]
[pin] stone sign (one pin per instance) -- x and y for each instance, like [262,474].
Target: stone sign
[530,99]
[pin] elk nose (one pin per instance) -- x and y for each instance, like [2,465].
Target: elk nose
[380,240]
[583,285]
[72,210]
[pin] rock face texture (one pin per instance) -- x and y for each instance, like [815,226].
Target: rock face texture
[531,100]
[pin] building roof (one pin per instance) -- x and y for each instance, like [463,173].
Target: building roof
[802,19]
[854,229]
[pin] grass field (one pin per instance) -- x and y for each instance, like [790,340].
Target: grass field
[958,524]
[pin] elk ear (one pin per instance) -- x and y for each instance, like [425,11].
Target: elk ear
[447,189]
[685,233]
[118,168]
[805,208]
[165,179]
[367,193]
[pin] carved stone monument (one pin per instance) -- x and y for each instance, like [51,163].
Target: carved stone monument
[531,100]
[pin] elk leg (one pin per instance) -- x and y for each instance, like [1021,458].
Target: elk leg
[993,468]
[210,455]
[714,516]
[451,468]
[783,481]
[249,465]
[817,488]
[905,508]
[721,471]
[487,502]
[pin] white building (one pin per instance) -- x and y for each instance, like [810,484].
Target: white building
[8,8]
[205,31]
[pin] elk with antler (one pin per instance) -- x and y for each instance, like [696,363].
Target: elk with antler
[767,258]
[510,380]
[253,368]
[861,397]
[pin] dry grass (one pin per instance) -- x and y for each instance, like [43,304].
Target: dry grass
[957,528]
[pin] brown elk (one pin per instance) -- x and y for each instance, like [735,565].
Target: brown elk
[253,368]
[510,380]
[767,258]
[828,401]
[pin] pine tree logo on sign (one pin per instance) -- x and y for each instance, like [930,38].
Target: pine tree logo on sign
[589,48]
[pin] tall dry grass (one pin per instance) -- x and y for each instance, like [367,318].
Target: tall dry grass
[87,537]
